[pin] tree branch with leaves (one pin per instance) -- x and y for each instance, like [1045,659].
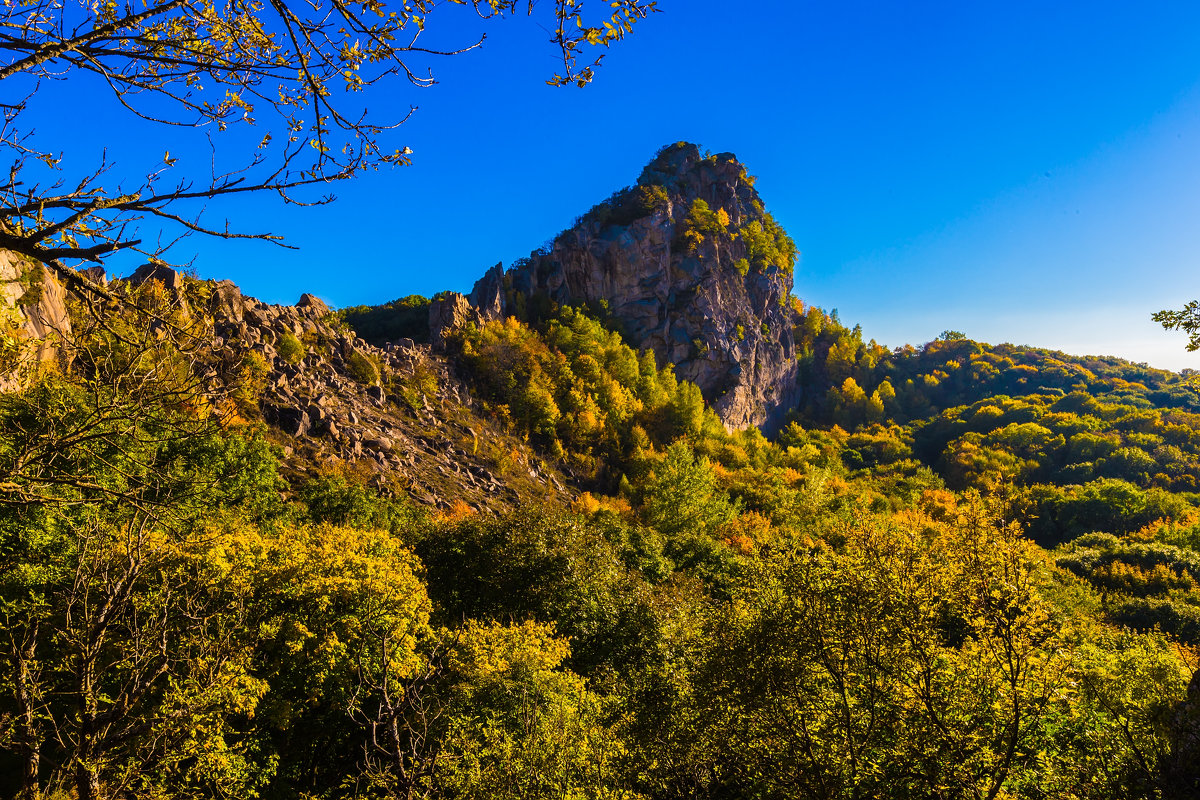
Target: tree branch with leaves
[299,71]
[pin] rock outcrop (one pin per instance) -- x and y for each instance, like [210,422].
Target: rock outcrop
[33,318]
[406,419]
[397,414]
[689,265]
[448,311]
[171,279]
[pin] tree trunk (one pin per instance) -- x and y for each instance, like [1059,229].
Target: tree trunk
[87,782]
[29,742]
[87,774]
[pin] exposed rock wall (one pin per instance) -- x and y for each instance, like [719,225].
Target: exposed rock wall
[447,312]
[33,318]
[688,297]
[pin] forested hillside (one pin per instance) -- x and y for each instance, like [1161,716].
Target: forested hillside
[247,552]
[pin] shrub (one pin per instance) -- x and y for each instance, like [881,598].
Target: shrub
[1170,616]
[291,349]
[33,284]
[768,245]
[422,382]
[346,500]
[636,203]
[627,206]
[701,221]
[362,368]
[252,381]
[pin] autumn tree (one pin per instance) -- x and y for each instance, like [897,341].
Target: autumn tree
[279,89]
[520,725]
[917,658]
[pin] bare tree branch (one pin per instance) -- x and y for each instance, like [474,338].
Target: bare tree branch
[298,69]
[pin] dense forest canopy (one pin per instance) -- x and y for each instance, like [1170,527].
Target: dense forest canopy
[848,611]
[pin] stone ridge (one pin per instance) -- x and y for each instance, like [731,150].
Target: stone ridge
[693,293]
[406,419]
[397,415]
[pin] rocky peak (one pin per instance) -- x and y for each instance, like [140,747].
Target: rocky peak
[689,264]
[720,180]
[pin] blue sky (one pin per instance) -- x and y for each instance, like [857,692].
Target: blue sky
[1018,171]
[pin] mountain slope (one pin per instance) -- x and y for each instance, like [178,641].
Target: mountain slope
[689,265]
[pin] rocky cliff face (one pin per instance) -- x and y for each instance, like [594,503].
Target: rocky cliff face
[692,267]
[33,318]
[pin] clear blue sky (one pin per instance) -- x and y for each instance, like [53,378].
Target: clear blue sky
[1019,171]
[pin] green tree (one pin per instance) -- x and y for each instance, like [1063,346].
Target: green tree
[1186,319]
[916,664]
[519,725]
